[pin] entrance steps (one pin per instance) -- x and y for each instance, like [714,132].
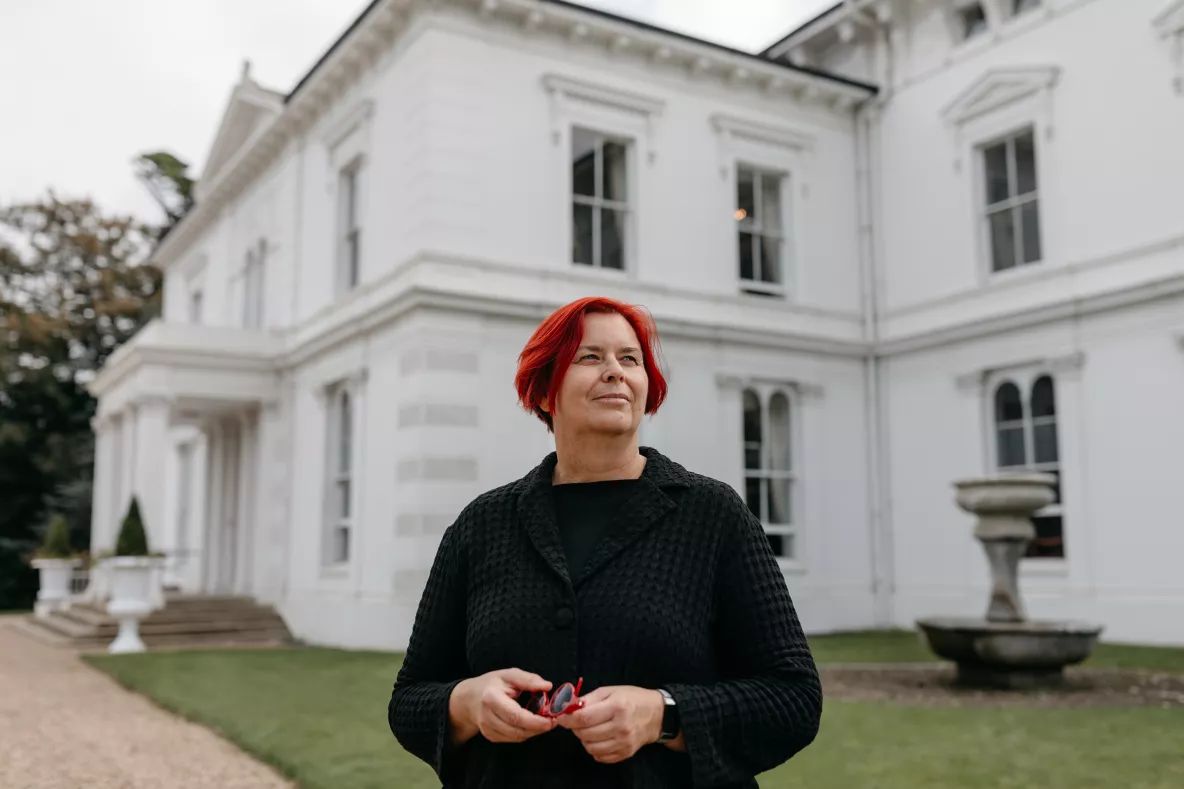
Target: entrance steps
[185,622]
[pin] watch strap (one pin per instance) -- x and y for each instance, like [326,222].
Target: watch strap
[670,722]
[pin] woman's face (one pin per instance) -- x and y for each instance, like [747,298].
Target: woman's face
[606,387]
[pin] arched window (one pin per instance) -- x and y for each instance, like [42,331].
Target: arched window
[1026,439]
[768,466]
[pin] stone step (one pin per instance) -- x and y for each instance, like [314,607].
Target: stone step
[274,637]
[186,620]
[97,616]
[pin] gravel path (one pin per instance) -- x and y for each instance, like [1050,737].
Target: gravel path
[64,725]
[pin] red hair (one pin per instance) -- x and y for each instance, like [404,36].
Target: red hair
[543,363]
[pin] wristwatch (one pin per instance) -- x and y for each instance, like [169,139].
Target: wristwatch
[670,724]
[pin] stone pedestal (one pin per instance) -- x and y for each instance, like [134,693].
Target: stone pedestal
[1006,649]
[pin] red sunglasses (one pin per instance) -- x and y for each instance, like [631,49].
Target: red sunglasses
[566,699]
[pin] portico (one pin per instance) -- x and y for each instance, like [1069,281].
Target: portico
[184,413]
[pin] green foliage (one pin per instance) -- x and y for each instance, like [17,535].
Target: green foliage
[167,179]
[132,540]
[74,286]
[57,540]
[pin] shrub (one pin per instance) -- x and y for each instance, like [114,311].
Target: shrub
[132,541]
[57,540]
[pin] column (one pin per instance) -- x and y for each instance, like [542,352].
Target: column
[248,522]
[127,470]
[101,530]
[151,444]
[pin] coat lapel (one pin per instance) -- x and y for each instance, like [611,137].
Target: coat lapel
[536,508]
[640,512]
[648,505]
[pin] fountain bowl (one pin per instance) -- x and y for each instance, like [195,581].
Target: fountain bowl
[1010,655]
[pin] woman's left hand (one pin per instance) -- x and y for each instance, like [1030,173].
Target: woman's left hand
[617,721]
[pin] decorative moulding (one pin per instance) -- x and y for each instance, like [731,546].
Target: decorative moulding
[564,91]
[347,123]
[732,128]
[1171,21]
[998,88]
[376,31]
[972,382]
[802,389]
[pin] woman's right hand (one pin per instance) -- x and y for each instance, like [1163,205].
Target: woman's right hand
[489,704]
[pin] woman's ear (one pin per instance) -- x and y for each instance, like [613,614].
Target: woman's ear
[545,406]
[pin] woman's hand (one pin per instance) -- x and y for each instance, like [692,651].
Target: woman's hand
[617,721]
[489,704]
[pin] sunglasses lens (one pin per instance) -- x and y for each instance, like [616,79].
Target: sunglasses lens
[533,703]
[562,699]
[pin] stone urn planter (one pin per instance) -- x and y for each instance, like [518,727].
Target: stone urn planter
[53,594]
[131,599]
[1005,649]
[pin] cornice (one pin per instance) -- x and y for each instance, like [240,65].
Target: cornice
[377,31]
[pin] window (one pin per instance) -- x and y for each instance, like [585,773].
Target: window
[759,222]
[196,303]
[768,468]
[972,20]
[340,465]
[1012,201]
[600,199]
[253,287]
[1024,6]
[1026,439]
[349,255]
[185,471]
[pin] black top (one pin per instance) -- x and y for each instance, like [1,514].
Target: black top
[583,512]
[682,592]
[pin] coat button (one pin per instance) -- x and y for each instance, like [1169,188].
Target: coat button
[564,617]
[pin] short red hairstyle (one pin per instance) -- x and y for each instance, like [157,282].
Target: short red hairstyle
[543,363]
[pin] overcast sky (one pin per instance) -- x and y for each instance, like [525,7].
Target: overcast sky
[87,84]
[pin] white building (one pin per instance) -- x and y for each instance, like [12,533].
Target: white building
[978,263]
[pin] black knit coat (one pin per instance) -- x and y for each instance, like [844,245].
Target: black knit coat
[683,593]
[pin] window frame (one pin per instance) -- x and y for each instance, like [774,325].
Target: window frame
[1025,381]
[598,203]
[339,396]
[784,178]
[764,393]
[1013,203]
[349,228]
[959,11]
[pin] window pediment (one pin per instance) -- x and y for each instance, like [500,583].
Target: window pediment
[998,88]
[1171,21]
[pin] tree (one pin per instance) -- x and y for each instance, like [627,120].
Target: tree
[167,179]
[57,540]
[132,540]
[74,286]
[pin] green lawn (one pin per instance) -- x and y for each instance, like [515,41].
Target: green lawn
[320,716]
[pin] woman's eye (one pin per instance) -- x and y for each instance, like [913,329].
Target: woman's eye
[632,359]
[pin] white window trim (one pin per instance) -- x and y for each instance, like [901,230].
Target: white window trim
[986,210]
[1024,377]
[599,203]
[253,279]
[329,395]
[614,112]
[353,172]
[802,398]
[785,190]
[1000,103]
[764,392]
[780,150]
[954,21]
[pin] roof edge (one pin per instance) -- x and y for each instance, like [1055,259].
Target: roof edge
[812,21]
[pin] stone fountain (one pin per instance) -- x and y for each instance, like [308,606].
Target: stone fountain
[1006,649]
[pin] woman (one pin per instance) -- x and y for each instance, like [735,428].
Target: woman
[611,619]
